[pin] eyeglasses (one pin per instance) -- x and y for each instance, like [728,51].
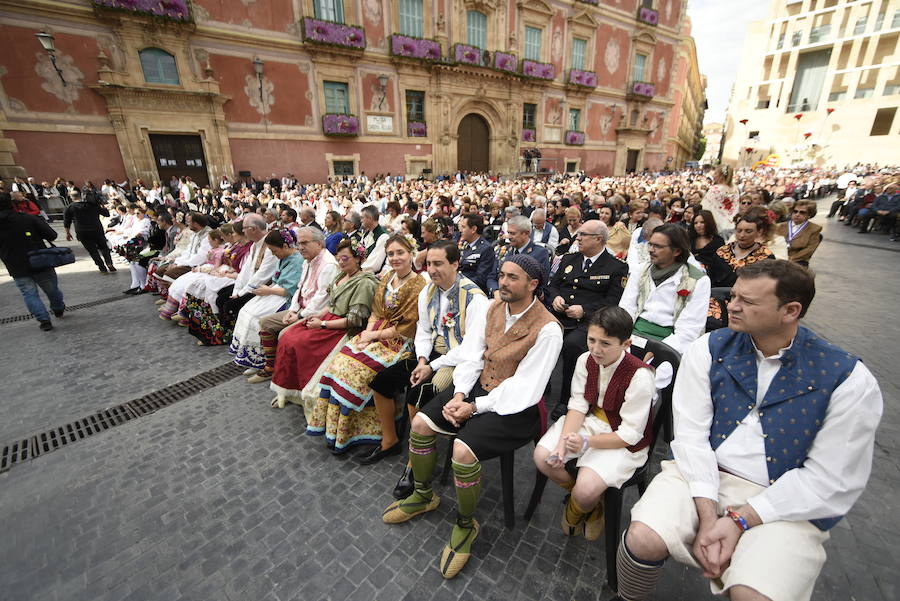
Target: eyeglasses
[656,246]
[746,202]
[583,234]
[799,212]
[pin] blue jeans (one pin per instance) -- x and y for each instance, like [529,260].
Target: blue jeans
[28,286]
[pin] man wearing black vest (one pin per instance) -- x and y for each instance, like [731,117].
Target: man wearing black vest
[774,432]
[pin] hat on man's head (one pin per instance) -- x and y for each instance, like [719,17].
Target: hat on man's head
[529,265]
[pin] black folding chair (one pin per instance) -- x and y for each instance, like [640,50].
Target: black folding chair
[613,497]
[507,464]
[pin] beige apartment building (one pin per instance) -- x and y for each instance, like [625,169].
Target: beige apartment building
[818,84]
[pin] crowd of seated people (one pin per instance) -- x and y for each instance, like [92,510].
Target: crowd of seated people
[445,305]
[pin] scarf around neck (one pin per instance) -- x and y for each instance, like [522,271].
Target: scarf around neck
[661,275]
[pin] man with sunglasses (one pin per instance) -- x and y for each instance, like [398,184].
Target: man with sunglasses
[584,282]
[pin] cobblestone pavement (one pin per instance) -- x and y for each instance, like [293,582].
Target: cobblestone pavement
[221,497]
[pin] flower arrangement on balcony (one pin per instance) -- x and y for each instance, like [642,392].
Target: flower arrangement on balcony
[574,138]
[648,16]
[587,79]
[503,61]
[642,88]
[173,10]
[411,47]
[529,135]
[469,55]
[335,124]
[416,129]
[327,33]
[536,70]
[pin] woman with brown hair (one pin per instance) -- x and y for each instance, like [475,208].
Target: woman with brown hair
[431,233]
[347,412]
[748,247]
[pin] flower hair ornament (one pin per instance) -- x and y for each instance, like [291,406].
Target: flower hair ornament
[412,242]
[289,238]
[358,251]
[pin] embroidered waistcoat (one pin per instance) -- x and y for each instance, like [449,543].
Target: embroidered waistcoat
[505,349]
[614,397]
[459,297]
[794,407]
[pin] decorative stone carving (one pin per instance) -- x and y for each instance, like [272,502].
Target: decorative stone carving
[605,124]
[556,46]
[52,84]
[661,70]
[112,48]
[200,13]
[261,102]
[308,121]
[304,67]
[667,9]
[612,55]
[372,11]
[16,105]
[379,101]
[248,2]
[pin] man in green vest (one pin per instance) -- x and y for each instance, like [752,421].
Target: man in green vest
[374,238]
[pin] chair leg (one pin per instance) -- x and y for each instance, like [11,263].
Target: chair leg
[612,506]
[445,475]
[540,482]
[507,462]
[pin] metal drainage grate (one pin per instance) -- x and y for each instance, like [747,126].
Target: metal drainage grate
[102,301]
[57,437]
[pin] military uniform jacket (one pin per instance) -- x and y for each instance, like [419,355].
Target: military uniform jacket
[601,286]
[478,262]
[538,252]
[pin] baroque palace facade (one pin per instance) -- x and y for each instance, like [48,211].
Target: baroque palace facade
[210,88]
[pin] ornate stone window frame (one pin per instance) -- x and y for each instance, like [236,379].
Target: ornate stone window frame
[582,26]
[567,160]
[331,158]
[643,42]
[538,14]
[493,10]
[338,73]
[425,160]
[179,68]
[428,28]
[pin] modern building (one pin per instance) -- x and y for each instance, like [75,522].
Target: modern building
[713,134]
[819,84]
[213,88]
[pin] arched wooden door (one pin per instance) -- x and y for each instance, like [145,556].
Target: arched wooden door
[473,144]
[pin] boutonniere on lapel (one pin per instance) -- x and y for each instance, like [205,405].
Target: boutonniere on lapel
[448,320]
[683,292]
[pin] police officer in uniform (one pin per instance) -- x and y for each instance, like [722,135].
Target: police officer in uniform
[584,282]
[478,261]
[518,233]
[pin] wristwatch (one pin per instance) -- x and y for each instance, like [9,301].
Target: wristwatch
[322,325]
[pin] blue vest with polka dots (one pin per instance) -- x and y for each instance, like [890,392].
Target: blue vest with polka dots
[794,407]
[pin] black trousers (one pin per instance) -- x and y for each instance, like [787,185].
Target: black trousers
[95,244]
[230,307]
[574,345]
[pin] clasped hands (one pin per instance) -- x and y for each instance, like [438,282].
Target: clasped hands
[458,410]
[572,311]
[569,444]
[716,540]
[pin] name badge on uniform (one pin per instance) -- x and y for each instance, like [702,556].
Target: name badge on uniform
[473,257]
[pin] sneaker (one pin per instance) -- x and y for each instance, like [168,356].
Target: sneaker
[60,312]
[46,326]
[248,372]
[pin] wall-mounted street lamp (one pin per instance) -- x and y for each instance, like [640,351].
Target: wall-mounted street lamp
[49,45]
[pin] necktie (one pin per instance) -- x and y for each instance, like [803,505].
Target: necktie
[587,265]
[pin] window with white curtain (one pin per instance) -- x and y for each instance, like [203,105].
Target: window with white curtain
[574,119]
[476,26]
[579,49]
[811,70]
[329,10]
[532,43]
[411,18]
[640,64]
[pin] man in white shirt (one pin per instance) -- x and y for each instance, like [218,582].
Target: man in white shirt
[449,307]
[310,300]
[258,268]
[493,406]
[774,432]
[668,298]
[374,237]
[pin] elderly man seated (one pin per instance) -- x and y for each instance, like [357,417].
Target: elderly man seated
[311,298]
